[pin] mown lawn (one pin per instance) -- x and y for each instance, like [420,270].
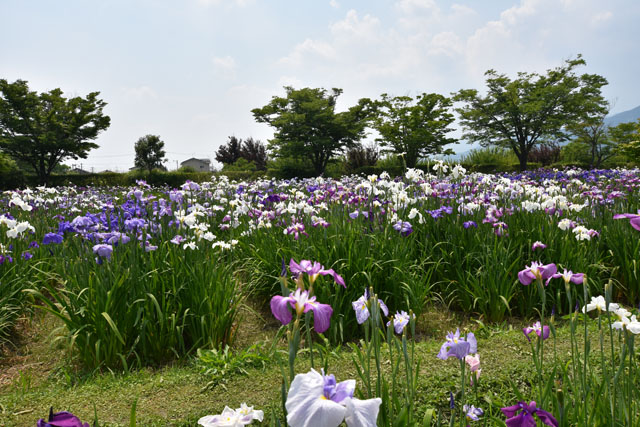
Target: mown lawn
[37,374]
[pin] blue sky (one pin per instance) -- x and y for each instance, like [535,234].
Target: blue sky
[192,70]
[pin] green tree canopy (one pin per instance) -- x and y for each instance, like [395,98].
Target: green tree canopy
[626,136]
[416,129]
[307,125]
[149,153]
[592,134]
[44,129]
[530,109]
[230,152]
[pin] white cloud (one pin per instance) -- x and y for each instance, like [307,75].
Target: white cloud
[241,3]
[446,43]
[224,64]
[410,6]
[602,17]
[309,48]
[334,4]
[353,26]
[140,93]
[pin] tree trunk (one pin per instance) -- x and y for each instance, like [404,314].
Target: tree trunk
[523,161]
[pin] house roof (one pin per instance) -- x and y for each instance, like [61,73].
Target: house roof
[199,160]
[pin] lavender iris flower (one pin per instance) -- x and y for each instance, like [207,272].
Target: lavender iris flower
[634,219]
[315,399]
[568,276]
[457,346]
[361,307]
[536,271]
[541,331]
[468,224]
[335,391]
[403,228]
[525,416]
[296,229]
[103,250]
[472,413]
[301,303]
[400,320]
[538,245]
[54,238]
[313,269]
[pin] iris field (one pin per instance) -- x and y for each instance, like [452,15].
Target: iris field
[141,277]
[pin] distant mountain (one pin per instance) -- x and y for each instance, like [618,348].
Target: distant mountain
[624,117]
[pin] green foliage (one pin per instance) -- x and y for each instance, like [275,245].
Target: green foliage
[490,156]
[149,153]
[13,301]
[308,127]
[44,129]
[416,128]
[520,113]
[289,167]
[139,308]
[593,134]
[576,153]
[219,366]
[627,138]
[240,165]
[361,156]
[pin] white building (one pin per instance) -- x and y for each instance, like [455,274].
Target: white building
[200,165]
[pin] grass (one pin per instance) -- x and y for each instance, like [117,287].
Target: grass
[37,375]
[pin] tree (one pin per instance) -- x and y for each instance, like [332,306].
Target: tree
[230,152]
[307,126]
[149,153]
[416,129]
[592,134]
[361,156]
[44,129]
[526,111]
[255,151]
[249,149]
[626,136]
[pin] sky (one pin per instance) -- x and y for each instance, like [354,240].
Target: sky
[191,71]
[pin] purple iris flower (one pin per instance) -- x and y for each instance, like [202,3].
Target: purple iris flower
[34,244]
[361,307]
[403,228]
[536,271]
[457,346]
[500,228]
[103,250]
[313,269]
[177,239]
[134,224]
[541,331]
[538,245]
[54,238]
[468,224]
[525,417]
[62,419]
[301,303]
[26,255]
[337,392]
[568,276]
[296,229]
[634,219]
[472,413]
[400,321]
